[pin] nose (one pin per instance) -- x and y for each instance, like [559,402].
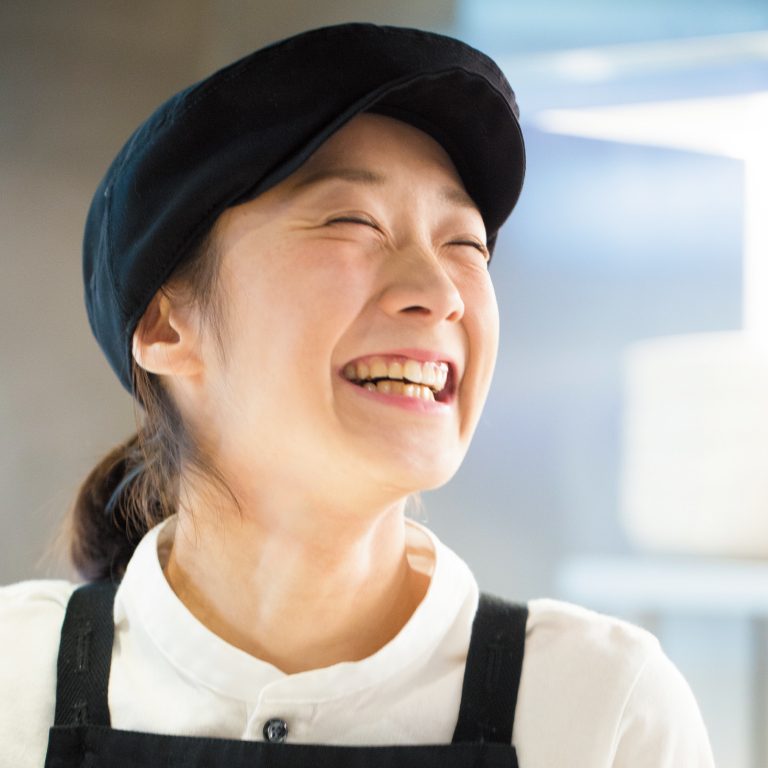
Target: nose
[418,287]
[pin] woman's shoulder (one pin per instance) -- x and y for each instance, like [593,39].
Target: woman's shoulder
[33,609]
[606,688]
[570,629]
[44,590]
[31,615]
[579,650]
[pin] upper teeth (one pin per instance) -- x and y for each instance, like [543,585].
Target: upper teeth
[433,375]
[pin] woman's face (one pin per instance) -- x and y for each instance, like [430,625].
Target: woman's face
[362,272]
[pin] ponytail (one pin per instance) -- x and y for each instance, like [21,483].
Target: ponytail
[136,485]
[133,488]
[102,542]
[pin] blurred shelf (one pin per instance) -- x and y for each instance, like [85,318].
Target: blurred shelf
[683,586]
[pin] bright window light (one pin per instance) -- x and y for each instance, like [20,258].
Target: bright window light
[696,408]
[733,126]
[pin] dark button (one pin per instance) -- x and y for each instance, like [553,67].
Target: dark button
[275,731]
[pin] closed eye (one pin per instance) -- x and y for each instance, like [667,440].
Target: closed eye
[473,244]
[353,220]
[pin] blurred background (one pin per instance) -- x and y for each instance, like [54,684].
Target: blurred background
[621,459]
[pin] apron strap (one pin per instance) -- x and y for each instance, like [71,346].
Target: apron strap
[488,696]
[492,674]
[85,656]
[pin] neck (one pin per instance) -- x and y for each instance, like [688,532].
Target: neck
[300,589]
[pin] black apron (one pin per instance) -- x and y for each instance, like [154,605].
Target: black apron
[82,737]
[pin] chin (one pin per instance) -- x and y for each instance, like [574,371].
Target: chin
[421,475]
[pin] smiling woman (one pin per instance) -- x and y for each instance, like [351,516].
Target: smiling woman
[299,299]
[320,272]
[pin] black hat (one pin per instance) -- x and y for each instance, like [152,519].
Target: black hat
[250,125]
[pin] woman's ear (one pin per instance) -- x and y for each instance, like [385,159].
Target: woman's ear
[167,340]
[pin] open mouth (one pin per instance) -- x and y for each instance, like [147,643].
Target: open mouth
[401,376]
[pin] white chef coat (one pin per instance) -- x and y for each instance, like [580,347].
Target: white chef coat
[595,691]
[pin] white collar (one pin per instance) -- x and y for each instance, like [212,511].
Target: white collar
[146,604]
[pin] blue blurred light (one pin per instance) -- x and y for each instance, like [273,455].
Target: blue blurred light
[520,26]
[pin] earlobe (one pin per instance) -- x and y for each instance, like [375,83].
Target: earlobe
[165,341]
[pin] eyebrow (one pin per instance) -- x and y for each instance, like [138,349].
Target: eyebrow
[360,175]
[448,192]
[458,196]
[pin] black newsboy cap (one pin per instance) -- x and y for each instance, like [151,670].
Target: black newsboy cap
[250,125]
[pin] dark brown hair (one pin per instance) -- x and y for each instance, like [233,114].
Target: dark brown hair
[137,484]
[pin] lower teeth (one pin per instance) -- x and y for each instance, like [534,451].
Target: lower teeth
[390,387]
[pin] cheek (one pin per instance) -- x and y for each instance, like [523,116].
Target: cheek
[481,316]
[288,313]
[481,323]
[489,322]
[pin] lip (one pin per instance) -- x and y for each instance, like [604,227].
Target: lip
[411,403]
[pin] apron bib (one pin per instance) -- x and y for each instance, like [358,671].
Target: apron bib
[82,737]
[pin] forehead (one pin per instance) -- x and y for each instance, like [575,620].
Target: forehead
[371,152]
[366,147]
